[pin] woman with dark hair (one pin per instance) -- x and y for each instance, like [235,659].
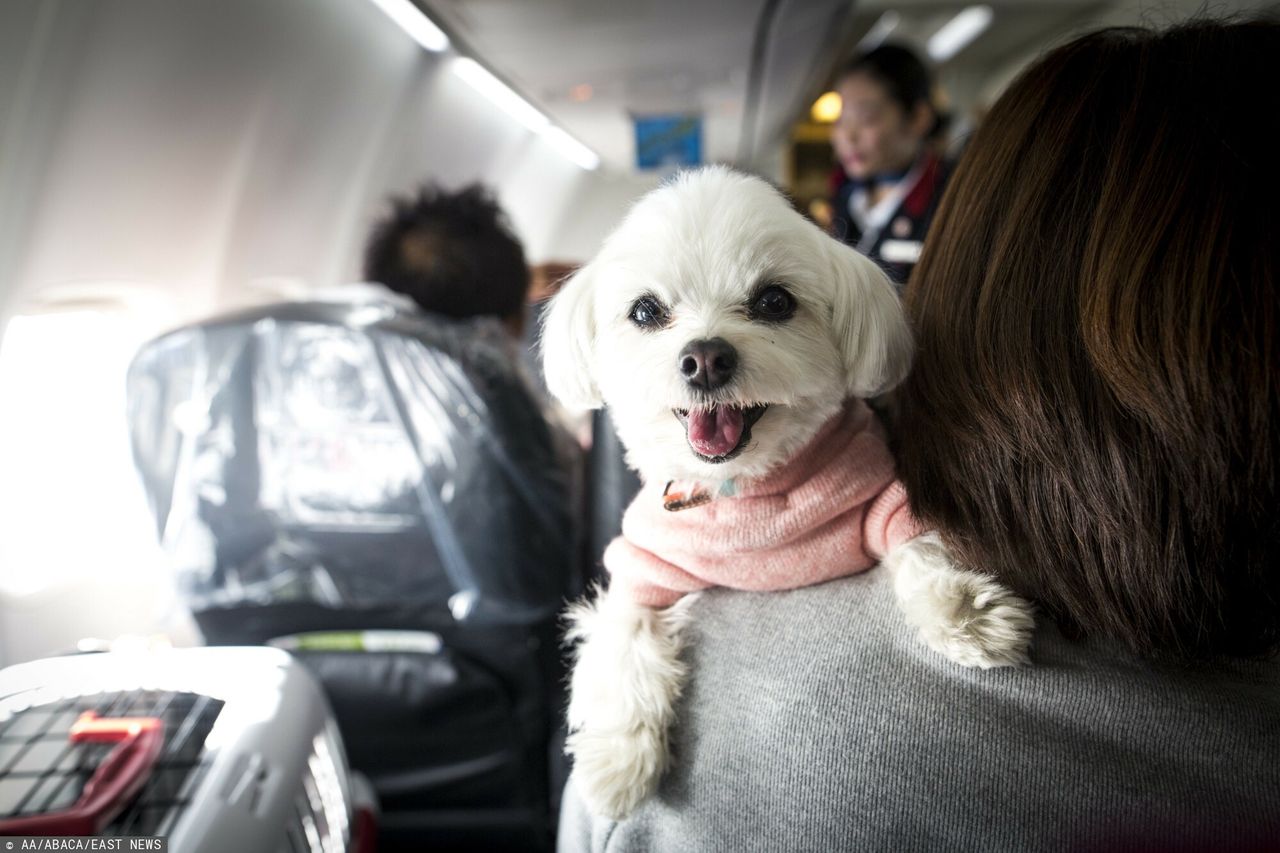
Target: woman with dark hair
[1093,413]
[890,179]
[1094,417]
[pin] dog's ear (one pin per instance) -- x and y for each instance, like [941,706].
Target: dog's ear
[568,343]
[870,325]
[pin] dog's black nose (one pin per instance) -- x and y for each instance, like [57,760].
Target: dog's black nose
[708,364]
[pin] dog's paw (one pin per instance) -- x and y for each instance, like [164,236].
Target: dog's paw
[615,770]
[974,621]
[967,617]
[626,680]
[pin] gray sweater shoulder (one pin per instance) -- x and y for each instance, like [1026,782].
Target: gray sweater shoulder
[815,721]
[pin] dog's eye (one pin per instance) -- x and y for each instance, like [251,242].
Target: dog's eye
[773,304]
[648,313]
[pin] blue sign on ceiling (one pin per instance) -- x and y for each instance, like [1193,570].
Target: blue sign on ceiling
[674,140]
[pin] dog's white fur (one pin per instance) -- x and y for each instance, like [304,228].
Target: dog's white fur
[967,617]
[626,680]
[702,245]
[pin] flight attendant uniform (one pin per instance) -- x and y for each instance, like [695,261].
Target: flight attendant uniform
[892,232]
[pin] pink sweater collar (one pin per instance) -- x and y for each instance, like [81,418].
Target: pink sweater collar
[828,512]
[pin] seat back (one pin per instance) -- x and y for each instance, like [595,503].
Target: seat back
[350,468]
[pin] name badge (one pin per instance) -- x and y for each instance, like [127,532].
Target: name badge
[900,251]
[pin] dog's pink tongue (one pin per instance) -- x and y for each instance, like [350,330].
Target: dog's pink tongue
[715,431]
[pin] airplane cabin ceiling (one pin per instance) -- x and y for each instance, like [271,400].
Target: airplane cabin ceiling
[592,64]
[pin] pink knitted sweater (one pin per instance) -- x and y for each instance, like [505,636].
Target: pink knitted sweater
[833,510]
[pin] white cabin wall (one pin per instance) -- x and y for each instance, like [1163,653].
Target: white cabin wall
[40,59]
[194,156]
[206,147]
[595,210]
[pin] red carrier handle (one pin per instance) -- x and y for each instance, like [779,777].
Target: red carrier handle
[116,781]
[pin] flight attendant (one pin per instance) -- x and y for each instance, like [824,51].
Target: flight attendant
[890,178]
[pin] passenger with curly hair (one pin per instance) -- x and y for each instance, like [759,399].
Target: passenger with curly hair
[453,254]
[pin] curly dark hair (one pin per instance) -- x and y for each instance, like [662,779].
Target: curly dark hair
[452,253]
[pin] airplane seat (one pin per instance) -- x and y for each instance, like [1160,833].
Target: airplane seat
[378,491]
[610,485]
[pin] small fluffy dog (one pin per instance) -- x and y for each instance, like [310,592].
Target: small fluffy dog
[733,342]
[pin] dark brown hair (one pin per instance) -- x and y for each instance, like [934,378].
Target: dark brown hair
[1093,416]
[451,252]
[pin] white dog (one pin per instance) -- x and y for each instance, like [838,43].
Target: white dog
[727,334]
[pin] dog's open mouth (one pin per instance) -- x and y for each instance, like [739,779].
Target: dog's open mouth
[719,433]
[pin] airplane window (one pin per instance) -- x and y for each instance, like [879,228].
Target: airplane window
[70,499]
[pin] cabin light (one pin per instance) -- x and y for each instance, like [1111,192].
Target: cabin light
[500,93]
[571,148]
[953,36]
[505,98]
[879,31]
[581,92]
[415,22]
[826,109]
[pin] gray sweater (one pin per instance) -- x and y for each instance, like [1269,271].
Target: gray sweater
[814,721]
